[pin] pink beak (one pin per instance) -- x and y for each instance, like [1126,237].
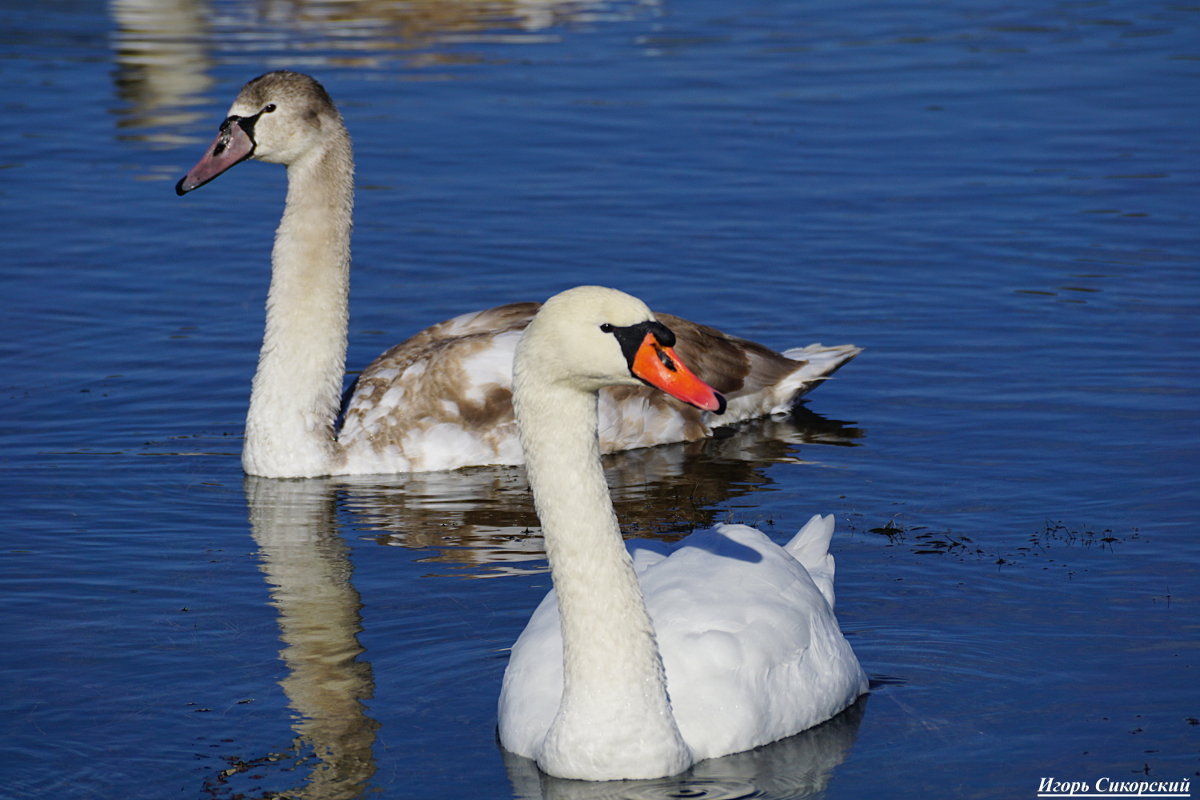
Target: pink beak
[232,146]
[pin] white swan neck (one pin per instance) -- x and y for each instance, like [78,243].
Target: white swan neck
[297,387]
[615,709]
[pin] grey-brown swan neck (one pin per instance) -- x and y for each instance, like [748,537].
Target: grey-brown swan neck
[297,387]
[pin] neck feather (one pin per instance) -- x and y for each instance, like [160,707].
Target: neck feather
[614,690]
[295,398]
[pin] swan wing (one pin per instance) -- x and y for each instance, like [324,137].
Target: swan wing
[755,379]
[751,647]
[442,399]
[533,681]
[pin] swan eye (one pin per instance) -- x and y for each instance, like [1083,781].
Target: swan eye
[268,108]
[607,328]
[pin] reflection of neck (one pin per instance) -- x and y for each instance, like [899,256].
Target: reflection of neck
[295,398]
[306,563]
[614,687]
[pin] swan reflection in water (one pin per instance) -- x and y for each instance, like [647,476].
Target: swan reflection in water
[794,768]
[481,522]
[166,51]
[307,564]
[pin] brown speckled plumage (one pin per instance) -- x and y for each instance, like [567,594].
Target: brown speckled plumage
[426,383]
[441,399]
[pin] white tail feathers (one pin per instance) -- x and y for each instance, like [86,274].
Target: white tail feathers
[811,548]
[825,358]
[820,363]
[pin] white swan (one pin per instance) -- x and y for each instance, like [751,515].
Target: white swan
[750,649]
[441,399]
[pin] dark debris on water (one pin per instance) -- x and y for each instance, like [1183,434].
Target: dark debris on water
[1045,545]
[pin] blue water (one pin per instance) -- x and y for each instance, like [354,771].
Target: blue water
[997,201]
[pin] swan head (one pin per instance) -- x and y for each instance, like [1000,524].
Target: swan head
[590,337]
[278,117]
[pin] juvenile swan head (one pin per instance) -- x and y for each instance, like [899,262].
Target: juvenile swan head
[279,117]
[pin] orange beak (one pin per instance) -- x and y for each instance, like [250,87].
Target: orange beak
[662,369]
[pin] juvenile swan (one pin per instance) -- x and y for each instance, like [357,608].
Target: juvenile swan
[727,644]
[441,399]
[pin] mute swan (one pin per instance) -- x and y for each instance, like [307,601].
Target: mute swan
[750,649]
[442,399]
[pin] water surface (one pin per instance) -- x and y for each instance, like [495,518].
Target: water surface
[997,201]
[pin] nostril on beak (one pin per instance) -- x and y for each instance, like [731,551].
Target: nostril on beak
[666,360]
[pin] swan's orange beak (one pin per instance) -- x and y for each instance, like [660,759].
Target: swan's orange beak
[233,145]
[660,367]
